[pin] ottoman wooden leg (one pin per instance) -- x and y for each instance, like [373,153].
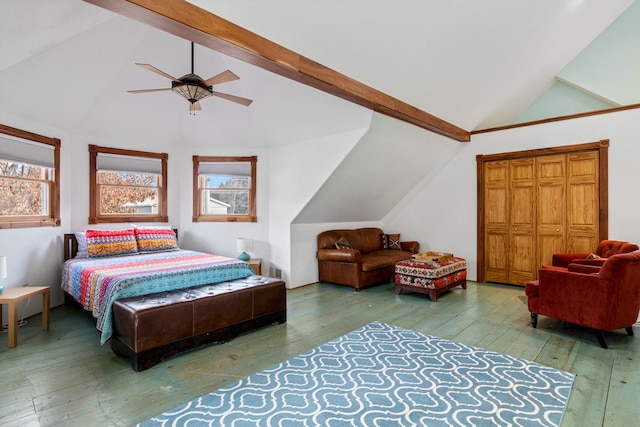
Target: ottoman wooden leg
[534,319]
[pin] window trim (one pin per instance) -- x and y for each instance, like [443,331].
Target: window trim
[198,216]
[94,203]
[54,209]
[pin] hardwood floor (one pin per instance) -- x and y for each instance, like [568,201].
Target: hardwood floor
[64,377]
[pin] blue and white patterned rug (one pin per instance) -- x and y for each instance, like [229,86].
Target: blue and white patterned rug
[382,375]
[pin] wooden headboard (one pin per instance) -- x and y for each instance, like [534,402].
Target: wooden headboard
[71,244]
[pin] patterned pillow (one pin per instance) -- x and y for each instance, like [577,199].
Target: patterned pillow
[101,243]
[392,241]
[342,243]
[154,239]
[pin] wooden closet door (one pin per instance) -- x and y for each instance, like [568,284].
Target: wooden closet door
[522,222]
[583,208]
[534,203]
[496,225]
[552,215]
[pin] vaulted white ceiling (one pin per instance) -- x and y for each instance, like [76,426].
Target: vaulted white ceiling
[70,64]
[473,63]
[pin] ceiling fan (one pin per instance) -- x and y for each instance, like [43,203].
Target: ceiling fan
[193,88]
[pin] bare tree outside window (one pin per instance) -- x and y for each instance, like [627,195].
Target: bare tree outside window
[128,192]
[127,185]
[29,177]
[23,189]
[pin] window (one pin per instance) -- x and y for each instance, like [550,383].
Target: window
[29,179]
[127,185]
[224,189]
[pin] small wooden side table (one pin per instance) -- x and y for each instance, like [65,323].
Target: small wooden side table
[256,265]
[12,296]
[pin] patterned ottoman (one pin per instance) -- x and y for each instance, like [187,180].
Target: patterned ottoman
[431,278]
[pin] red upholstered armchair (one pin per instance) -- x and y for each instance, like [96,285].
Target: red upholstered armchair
[605,249]
[603,298]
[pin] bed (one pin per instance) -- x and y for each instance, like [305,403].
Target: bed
[152,299]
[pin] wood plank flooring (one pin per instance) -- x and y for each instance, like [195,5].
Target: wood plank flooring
[64,377]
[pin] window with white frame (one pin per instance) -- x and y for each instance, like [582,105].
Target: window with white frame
[127,185]
[29,179]
[224,189]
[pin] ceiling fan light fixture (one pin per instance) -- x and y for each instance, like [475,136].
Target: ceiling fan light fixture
[190,88]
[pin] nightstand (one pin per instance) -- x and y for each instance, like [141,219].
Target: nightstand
[256,265]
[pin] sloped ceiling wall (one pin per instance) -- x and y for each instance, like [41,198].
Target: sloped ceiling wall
[474,64]
[388,161]
[605,74]
[609,67]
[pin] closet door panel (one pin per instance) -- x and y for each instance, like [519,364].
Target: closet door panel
[496,212]
[497,258]
[522,221]
[522,260]
[583,213]
[551,218]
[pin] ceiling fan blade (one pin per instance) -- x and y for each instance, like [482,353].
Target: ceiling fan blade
[223,77]
[243,101]
[148,90]
[155,70]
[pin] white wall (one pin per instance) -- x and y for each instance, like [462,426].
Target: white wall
[442,213]
[297,171]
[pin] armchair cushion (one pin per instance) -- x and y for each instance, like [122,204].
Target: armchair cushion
[583,268]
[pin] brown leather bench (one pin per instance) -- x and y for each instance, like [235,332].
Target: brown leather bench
[150,328]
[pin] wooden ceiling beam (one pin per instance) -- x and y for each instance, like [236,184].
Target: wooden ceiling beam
[190,22]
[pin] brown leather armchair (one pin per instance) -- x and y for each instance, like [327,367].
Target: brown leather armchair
[603,298]
[364,262]
[605,249]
